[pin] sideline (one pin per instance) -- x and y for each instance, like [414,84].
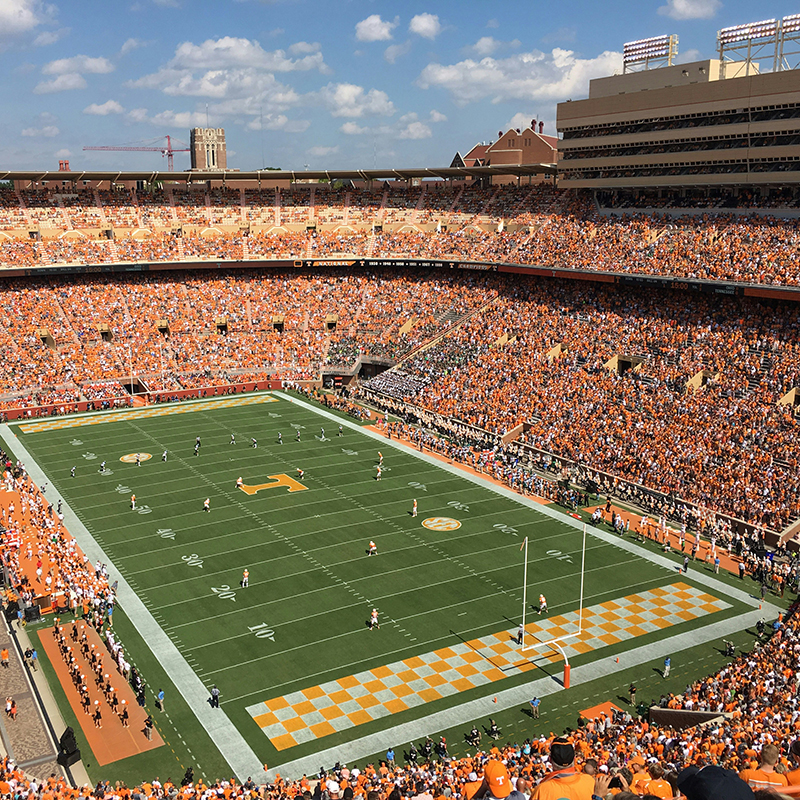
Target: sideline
[227,738]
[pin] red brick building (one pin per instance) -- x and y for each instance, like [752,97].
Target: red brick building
[515,146]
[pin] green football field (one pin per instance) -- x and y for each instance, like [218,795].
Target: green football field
[447,581]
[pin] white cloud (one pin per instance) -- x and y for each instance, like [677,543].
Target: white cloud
[323,151]
[166,119]
[49,37]
[21,16]
[415,130]
[271,121]
[425,25]
[229,51]
[492,23]
[521,121]
[81,64]
[353,129]
[301,48]
[690,9]
[349,100]
[137,115]
[394,51]
[487,45]
[407,127]
[104,109]
[375,29]
[131,44]
[63,83]
[223,84]
[547,76]
[688,56]
[243,70]
[278,122]
[62,153]
[437,116]
[48,131]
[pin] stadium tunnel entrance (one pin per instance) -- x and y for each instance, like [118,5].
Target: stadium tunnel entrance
[134,387]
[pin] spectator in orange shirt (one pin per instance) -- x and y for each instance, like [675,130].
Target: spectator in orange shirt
[793,776]
[765,777]
[565,781]
[657,786]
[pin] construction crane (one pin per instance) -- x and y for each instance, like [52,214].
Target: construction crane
[167,151]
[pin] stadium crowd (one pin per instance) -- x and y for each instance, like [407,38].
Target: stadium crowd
[542,356]
[532,224]
[676,394]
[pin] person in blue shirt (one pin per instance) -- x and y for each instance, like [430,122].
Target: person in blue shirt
[667,665]
[160,698]
[390,756]
[534,704]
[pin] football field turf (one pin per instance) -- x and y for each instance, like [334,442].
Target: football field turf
[298,669]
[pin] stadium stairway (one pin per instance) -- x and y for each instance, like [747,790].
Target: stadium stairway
[98,203]
[418,206]
[64,215]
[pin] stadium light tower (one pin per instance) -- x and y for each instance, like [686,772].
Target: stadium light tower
[775,41]
[556,643]
[658,51]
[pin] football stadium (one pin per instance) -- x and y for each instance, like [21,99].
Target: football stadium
[470,481]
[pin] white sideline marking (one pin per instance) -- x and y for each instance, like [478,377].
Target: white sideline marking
[231,744]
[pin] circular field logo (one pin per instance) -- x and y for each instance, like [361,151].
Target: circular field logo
[131,457]
[441,524]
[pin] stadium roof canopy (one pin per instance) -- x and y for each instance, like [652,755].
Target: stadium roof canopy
[517,170]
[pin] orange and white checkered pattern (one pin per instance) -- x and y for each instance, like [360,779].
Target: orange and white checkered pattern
[356,699]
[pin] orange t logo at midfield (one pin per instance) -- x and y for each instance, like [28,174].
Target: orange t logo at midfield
[279,480]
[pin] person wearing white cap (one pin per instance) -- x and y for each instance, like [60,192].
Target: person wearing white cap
[471,786]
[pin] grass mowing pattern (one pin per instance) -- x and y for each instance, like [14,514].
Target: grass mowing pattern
[311,582]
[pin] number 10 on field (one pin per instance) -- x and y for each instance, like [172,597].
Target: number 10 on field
[262,631]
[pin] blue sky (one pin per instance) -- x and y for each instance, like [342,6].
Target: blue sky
[327,84]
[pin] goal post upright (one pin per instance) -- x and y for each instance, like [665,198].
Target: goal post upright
[524,593]
[555,644]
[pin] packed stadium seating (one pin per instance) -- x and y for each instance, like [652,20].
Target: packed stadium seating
[530,224]
[721,442]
